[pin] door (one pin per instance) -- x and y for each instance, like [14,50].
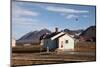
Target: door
[62,44]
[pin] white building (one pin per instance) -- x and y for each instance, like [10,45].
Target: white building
[61,41]
[13,42]
[66,42]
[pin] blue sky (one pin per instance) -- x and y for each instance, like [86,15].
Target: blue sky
[28,16]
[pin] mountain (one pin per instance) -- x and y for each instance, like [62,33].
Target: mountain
[89,33]
[32,37]
[73,32]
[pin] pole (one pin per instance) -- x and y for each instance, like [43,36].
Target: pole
[47,49]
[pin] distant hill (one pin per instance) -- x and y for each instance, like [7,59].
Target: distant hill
[73,32]
[32,37]
[89,33]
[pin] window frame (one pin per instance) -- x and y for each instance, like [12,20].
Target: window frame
[66,41]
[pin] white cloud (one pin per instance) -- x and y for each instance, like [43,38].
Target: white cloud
[19,15]
[85,16]
[24,12]
[65,10]
[21,21]
[19,11]
[71,16]
[63,14]
[24,21]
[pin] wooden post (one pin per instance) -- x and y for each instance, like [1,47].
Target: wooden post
[47,49]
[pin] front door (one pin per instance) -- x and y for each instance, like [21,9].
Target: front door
[62,44]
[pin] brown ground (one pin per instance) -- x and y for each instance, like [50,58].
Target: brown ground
[84,51]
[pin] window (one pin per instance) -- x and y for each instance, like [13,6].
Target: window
[66,41]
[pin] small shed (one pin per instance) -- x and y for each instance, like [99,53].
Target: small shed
[47,42]
[58,40]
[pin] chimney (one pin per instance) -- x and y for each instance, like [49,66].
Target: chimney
[56,29]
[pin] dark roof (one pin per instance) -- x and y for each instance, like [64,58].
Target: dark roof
[47,36]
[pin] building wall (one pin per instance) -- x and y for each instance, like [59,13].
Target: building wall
[51,44]
[13,42]
[42,42]
[66,45]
